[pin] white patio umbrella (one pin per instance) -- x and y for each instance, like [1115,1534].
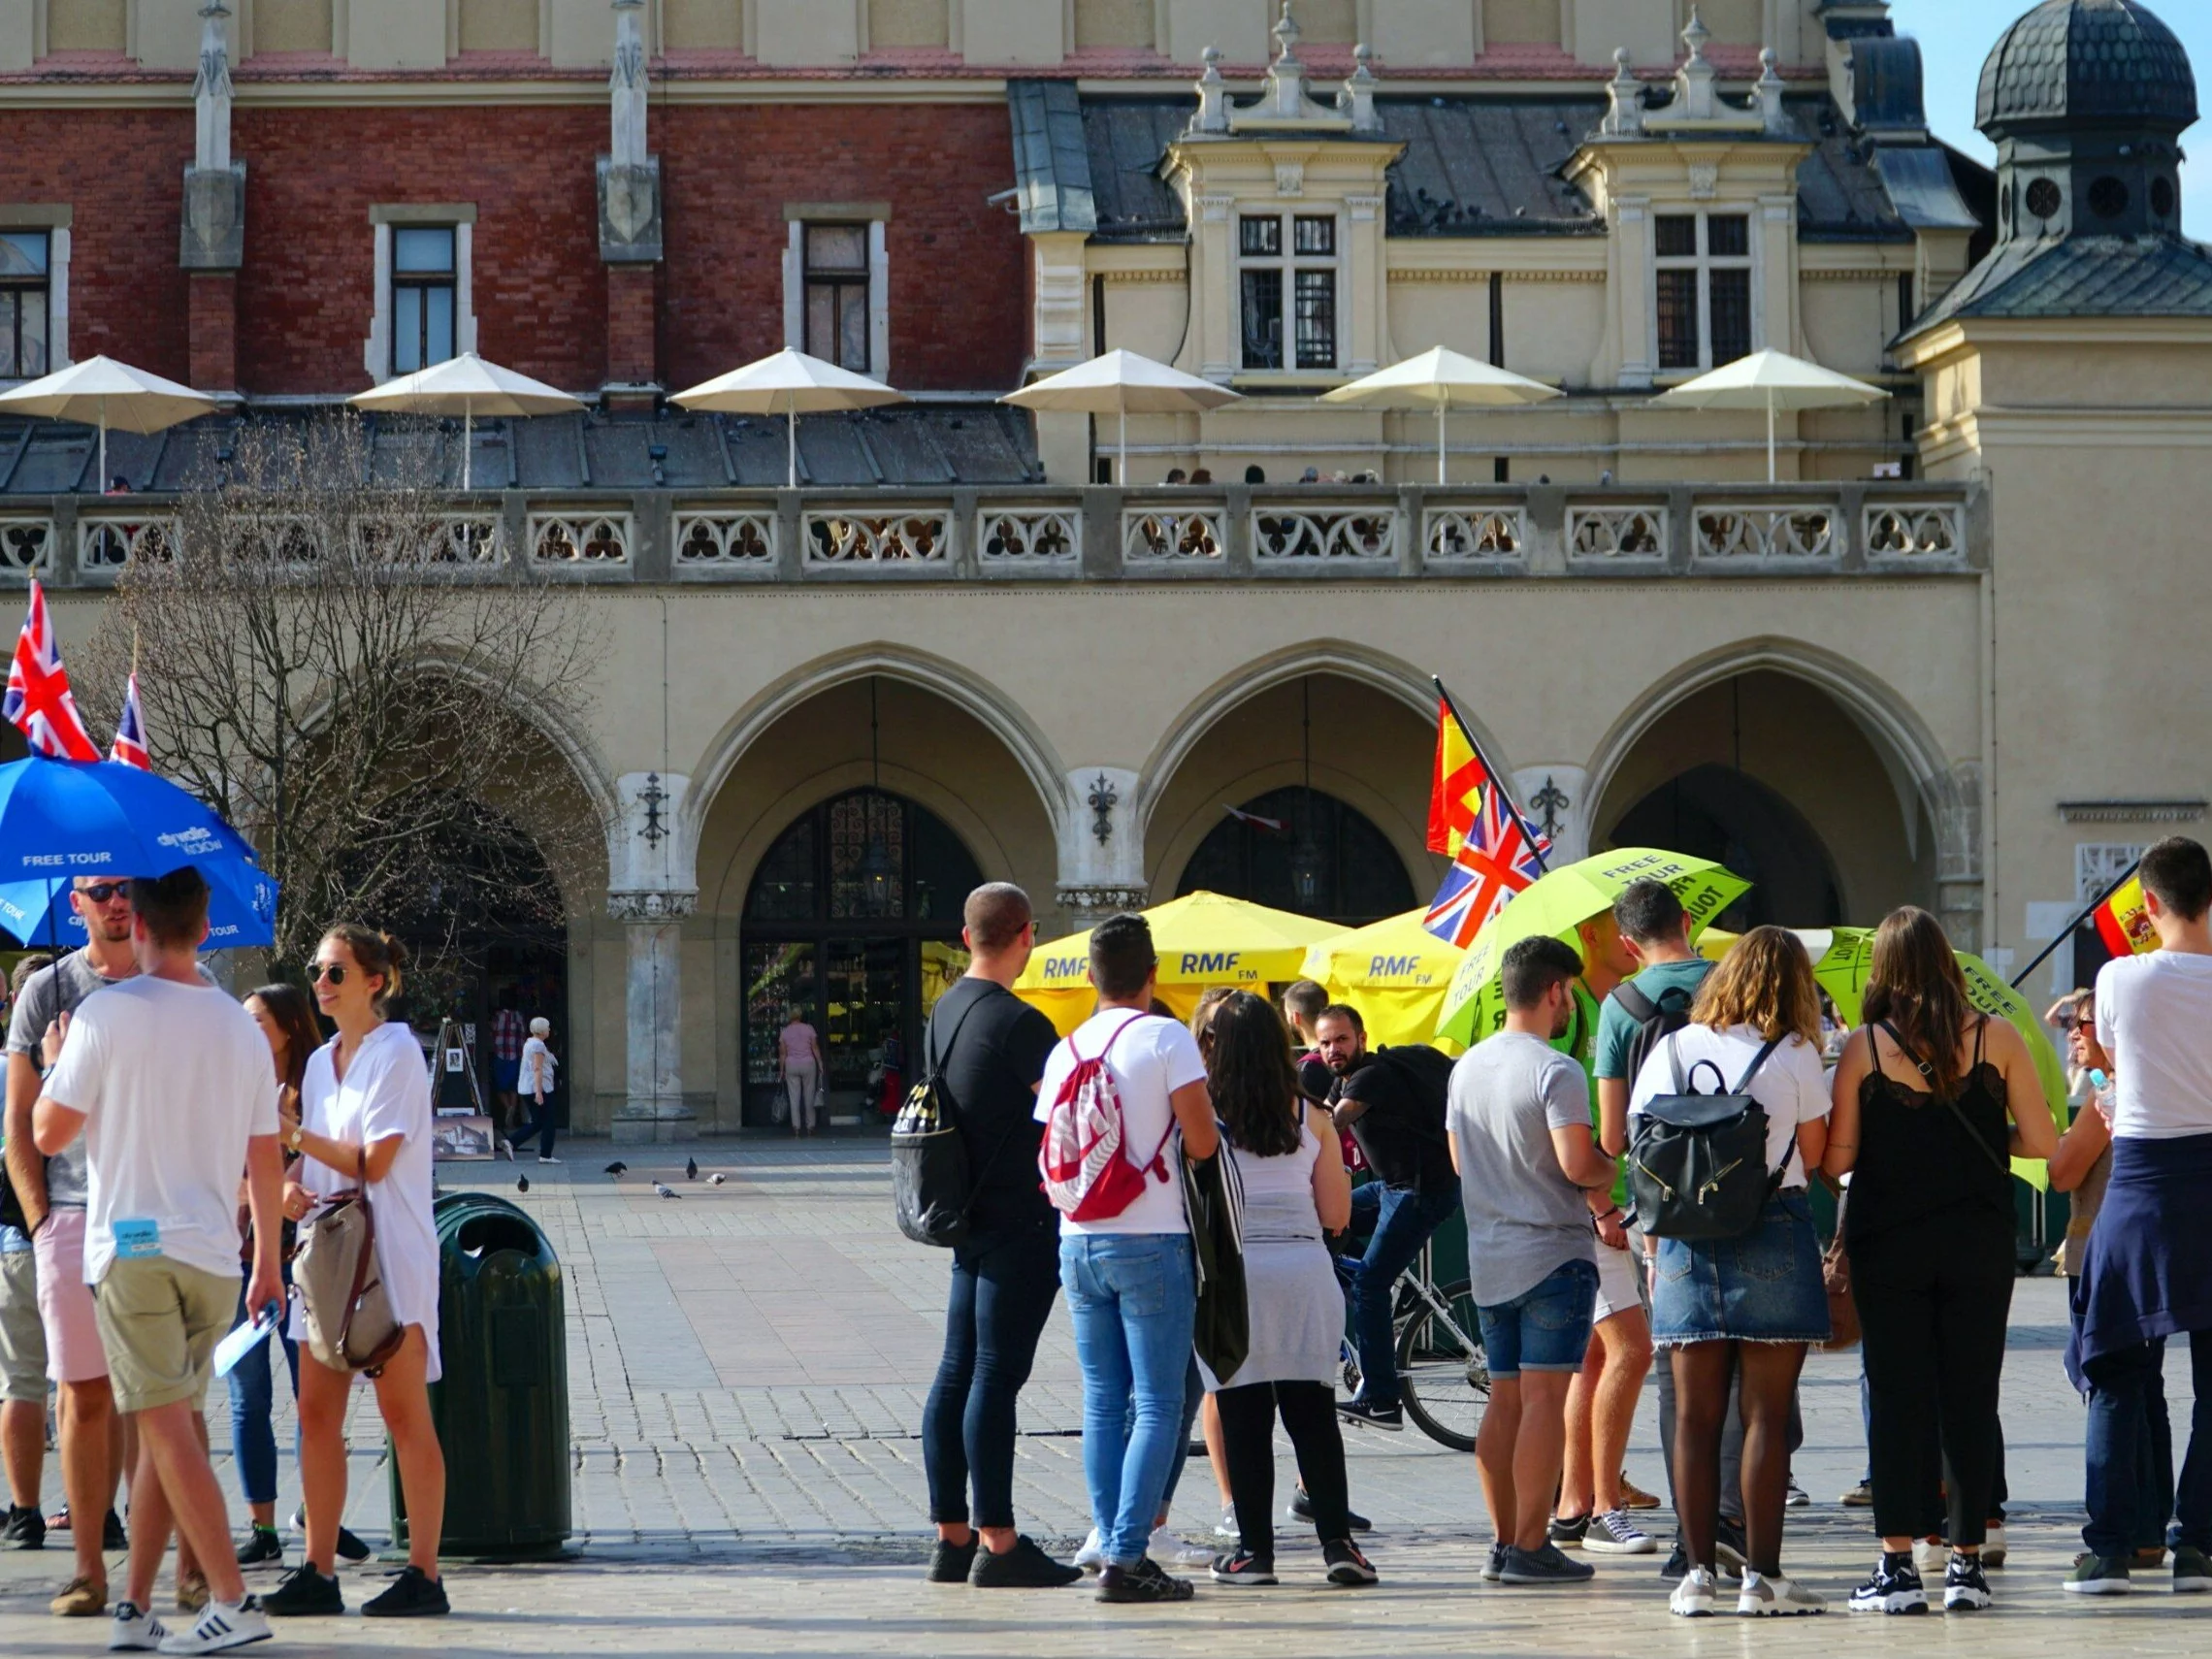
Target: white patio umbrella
[790,385]
[467,386]
[1121,384]
[1773,381]
[104,393]
[1443,380]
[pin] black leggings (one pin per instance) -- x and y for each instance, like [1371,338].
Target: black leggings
[1933,1296]
[1003,1285]
[1248,1440]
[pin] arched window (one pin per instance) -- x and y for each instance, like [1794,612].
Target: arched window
[1298,849]
[853,921]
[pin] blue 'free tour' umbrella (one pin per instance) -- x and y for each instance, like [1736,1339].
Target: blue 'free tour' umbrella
[242,910]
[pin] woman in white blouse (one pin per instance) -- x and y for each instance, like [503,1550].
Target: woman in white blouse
[366,1098]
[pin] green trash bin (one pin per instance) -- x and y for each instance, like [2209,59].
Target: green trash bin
[501,1407]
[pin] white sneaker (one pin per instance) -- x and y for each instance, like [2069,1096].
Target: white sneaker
[134,1631]
[1929,1556]
[1993,1546]
[1763,1597]
[1226,1526]
[1169,1550]
[1795,1496]
[548,1160]
[506,1149]
[1092,1555]
[224,1624]
[1612,1533]
[1694,1595]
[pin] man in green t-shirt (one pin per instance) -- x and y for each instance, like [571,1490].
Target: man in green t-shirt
[1601,1404]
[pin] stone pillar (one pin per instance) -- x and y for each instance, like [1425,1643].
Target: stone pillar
[1955,801]
[1555,799]
[1101,846]
[630,224]
[652,888]
[211,239]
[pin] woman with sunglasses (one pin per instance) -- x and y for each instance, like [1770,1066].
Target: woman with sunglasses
[364,1107]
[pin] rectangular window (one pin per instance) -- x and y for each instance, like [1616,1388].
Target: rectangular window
[1305,277]
[1702,294]
[836,276]
[425,280]
[25,298]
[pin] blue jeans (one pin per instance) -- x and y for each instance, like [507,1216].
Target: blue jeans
[1547,1327]
[540,1125]
[1397,1221]
[1003,1285]
[253,1401]
[2126,1398]
[1135,1297]
[1193,1398]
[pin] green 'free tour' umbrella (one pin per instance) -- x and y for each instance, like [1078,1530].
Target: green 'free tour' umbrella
[1561,901]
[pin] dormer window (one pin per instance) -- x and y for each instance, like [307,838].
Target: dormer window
[1286,267]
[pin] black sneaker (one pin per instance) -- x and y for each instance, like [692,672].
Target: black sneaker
[1965,1589]
[1302,1510]
[1024,1567]
[1728,1544]
[1569,1533]
[262,1548]
[112,1538]
[1546,1566]
[1391,1416]
[305,1593]
[351,1549]
[25,1529]
[413,1594]
[1677,1567]
[951,1563]
[1243,1569]
[1894,1587]
[1346,1566]
[2096,1576]
[1146,1581]
[1494,1564]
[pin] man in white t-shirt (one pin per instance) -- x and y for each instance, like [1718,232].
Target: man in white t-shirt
[1130,1280]
[169,1082]
[2145,1273]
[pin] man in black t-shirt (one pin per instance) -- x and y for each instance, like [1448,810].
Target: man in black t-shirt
[988,1049]
[1413,1192]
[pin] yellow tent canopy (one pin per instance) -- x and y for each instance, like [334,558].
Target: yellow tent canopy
[1203,939]
[1395,971]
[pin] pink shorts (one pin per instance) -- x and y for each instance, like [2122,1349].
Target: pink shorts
[74,1353]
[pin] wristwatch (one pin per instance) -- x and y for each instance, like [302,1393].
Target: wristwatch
[292,1140]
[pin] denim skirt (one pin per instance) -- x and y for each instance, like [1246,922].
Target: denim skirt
[1763,1286]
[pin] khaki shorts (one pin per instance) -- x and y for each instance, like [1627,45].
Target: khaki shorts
[160,1320]
[22,1338]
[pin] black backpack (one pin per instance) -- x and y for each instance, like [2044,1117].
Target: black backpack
[1696,1163]
[1654,1020]
[931,1187]
[1426,1074]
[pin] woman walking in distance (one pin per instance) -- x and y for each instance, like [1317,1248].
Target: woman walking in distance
[1930,1098]
[367,1097]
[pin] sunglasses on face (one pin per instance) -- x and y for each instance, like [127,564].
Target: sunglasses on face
[334,972]
[104,891]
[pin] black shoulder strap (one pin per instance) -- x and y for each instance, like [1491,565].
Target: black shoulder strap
[936,1062]
[1634,1003]
[1757,1060]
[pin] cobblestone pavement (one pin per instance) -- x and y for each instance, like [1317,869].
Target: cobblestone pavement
[747,1367]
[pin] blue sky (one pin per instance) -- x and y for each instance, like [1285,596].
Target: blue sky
[1954,38]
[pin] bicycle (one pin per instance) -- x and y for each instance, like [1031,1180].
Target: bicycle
[1444,1381]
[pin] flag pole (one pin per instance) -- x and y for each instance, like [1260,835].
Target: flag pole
[1497,778]
[2066,933]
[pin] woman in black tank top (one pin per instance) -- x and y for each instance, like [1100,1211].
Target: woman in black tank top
[1931,1101]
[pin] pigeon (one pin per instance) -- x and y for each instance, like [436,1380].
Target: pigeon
[716,1179]
[662,1190]
[617,1167]
[691,1169]
[522,1184]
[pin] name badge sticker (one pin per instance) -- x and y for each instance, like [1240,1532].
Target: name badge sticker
[136,1239]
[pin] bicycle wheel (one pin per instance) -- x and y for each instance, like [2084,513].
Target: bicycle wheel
[1443,1376]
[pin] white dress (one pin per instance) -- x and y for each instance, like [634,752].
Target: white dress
[1290,1284]
[386,1092]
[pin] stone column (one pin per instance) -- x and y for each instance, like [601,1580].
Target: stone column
[211,239]
[652,888]
[1101,847]
[1555,799]
[630,225]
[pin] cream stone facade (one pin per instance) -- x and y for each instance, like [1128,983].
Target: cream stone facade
[1942,658]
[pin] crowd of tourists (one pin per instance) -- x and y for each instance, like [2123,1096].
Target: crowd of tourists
[1590,1146]
[135,1237]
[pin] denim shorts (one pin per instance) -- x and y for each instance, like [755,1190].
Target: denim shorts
[1763,1286]
[1544,1328]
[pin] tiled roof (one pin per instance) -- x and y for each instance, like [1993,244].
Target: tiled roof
[2088,60]
[2083,277]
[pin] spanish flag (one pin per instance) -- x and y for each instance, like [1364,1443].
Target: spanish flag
[2123,924]
[1456,786]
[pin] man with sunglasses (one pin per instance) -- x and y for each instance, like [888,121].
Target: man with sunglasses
[54,1197]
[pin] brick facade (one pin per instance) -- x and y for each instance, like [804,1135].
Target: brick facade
[214,330]
[541,294]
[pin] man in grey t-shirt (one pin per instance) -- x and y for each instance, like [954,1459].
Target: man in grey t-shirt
[54,1197]
[1519,1116]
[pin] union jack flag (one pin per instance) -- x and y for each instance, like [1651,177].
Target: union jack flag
[39,702]
[129,746]
[1495,859]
